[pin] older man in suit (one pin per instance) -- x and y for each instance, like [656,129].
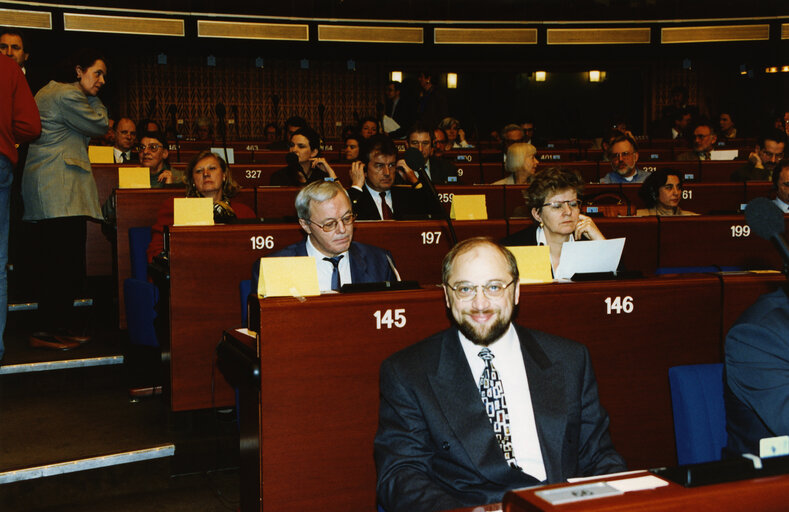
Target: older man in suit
[325,214]
[486,406]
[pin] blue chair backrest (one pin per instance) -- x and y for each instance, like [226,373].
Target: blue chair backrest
[699,412]
[140,298]
[139,239]
[244,289]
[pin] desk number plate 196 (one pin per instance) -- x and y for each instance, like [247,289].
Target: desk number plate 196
[577,493]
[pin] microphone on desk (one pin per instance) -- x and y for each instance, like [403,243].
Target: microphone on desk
[767,221]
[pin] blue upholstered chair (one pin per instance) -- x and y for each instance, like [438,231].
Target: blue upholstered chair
[140,296]
[244,289]
[699,413]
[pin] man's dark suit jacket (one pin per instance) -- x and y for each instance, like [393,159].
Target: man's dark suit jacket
[407,203]
[368,263]
[757,365]
[435,448]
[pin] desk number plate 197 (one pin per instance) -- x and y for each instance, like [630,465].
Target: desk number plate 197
[577,493]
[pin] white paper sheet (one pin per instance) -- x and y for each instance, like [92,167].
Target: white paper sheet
[589,256]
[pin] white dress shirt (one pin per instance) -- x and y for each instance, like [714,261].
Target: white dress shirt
[117,152]
[508,361]
[377,200]
[325,268]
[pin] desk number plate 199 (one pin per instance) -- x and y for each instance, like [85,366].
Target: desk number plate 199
[577,493]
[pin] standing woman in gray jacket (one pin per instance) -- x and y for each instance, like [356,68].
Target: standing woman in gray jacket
[60,194]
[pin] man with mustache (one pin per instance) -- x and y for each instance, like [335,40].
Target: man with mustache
[623,155]
[486,406]
[768,152]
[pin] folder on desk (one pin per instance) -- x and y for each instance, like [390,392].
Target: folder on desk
[290,276]
[193,211]
[101,155]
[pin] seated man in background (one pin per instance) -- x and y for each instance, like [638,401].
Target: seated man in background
[781,184]
[761,163]
[125,139]
[486,406]
[374,194]
[325,214]
[440,170]
[623,155]
[704,139]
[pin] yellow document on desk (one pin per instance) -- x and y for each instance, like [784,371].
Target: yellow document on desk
[134,177]
[101,155]
[469,207]
[534,263]
[193,211]
[291,276]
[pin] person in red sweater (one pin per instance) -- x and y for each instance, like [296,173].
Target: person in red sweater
[207,175]
[19,122]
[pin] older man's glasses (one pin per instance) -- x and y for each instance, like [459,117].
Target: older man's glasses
[491,290]
[621,156]
[331,225]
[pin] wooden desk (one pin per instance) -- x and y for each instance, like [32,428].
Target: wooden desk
[310,362]
[699,197]
[689,169]
[206,266]
[762,494]
[716,240]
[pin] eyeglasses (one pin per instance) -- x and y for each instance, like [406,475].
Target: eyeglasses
[153,147]
[491,290]
[331,225]
[558,205]
[622,156]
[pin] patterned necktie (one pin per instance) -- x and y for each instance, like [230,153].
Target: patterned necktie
[335,273]
[385,210]
[124,158]
[492,393]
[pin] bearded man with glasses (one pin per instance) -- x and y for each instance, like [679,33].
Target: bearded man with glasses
[486,406]
[326,216]
[623,155]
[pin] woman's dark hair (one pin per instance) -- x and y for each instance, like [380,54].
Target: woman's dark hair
[312,137]
[546,182]
[83,58]
[229,187]
[353,135]
[650,189]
